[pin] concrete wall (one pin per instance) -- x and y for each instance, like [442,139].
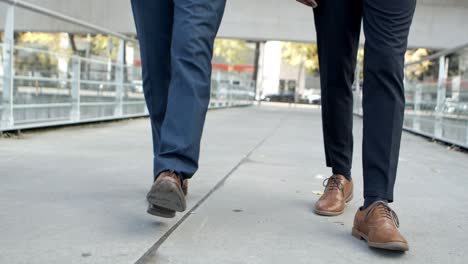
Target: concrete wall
[437,24]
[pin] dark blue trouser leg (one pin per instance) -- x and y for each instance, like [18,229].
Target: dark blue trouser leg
[338,25]
[386,26]
[196,23]
[176,38]
[154,21]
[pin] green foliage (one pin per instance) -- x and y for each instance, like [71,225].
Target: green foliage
[99,45]
[301,54]
[416,71]
[230,50]
[105,46]
[306,54]
[41,62]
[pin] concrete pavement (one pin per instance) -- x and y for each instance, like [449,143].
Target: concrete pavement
[76,195]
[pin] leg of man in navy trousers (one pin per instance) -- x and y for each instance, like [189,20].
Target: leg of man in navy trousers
[386,27]
[176,44]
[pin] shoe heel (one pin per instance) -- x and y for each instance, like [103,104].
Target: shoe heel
[168,195]
[356,234]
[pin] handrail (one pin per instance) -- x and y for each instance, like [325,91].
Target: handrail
[124,99]
[59,16]
[56,15]
[437,54]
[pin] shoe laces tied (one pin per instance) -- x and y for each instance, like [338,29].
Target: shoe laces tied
[333,183]
[385,211]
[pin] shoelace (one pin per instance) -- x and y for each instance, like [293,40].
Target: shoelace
[385,211]
[333,183]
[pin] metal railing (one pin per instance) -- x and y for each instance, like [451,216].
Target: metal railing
[436,93]
[77,88]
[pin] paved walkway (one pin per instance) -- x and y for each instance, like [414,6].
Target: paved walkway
[76,195]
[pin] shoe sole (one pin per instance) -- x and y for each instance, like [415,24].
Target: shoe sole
[168,195]
[395,246]
[329,213]
[161,212]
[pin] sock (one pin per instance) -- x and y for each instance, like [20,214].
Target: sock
[347,174]
[372,199]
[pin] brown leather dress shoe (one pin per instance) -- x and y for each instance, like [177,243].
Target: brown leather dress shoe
[338,191]
[378,225]
[163,212]
[167,195]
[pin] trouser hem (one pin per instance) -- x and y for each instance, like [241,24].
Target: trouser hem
[341,171]
[382,194]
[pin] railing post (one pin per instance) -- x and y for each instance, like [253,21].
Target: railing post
[7,117]
[75,89]
[466,137]
[441,94]
[417,106]
[216,96]
[231,88]
[119,79]
[251,98]
[357,90]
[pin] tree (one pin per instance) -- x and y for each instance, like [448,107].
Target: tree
[305,55]
[44,63]
[106,46]
[230,50]
[416,71]
[302,54]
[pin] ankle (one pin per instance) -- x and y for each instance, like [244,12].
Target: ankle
[171,173]
[372,199]
[346,174]
[347,177]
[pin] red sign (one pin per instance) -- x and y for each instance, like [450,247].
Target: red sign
[233,67]
[221,67]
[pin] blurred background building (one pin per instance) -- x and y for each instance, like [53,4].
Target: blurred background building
[75,195]
[63,71]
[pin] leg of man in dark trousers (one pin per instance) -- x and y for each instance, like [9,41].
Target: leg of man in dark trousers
[386,27]
[176,42]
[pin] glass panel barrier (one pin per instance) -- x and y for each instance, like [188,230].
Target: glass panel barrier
[84,74]
[436,92]
[3,63]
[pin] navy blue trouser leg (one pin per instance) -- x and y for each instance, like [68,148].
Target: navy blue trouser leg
[154,21]
[386,27]
[176,41]
[338,23]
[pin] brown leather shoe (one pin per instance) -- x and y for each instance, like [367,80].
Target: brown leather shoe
[163,212]
[338,191]
[185,187]
[378,225]
[160,211]
[167,193]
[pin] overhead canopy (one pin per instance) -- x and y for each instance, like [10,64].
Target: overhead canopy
[437,23]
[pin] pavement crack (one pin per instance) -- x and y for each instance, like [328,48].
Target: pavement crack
[151,254]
